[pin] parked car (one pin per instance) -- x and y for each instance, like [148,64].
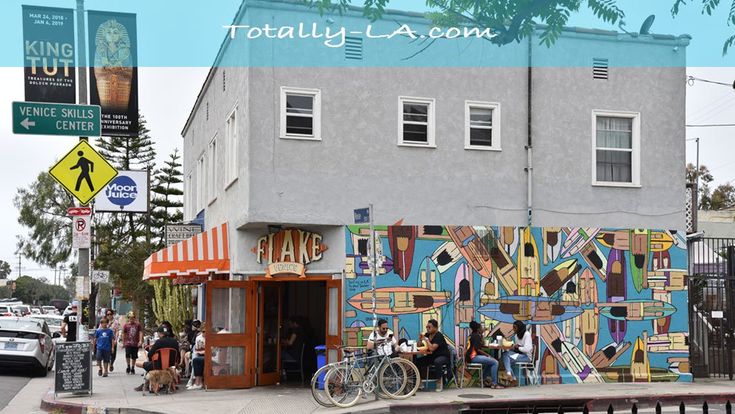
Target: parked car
[22,310]
[67,310]
[35,310]
[53,322]
[6,310]
[26,342]
[50,310]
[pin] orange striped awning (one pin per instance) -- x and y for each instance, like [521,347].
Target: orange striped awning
[200,255]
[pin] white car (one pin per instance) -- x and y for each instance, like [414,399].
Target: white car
[26,342]
[50,310]
[6,310]
[53,322]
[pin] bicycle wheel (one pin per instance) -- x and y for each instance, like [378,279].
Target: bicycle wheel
[392,379]
[343,386]
[412,379]
[317,386]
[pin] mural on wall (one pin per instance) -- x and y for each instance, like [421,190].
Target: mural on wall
[604,305]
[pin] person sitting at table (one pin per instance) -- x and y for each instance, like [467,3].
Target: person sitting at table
[382,340]
[437,351]
[520,351]
[476,355]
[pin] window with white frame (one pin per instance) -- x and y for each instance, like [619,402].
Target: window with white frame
[616,148]
[416,125]
[482,125]
[201,176]
[212,170]
[231,147]
[188,191]
[301,113]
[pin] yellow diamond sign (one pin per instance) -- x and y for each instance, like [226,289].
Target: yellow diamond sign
[83,172]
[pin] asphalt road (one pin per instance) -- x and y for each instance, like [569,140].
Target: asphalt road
[12,381]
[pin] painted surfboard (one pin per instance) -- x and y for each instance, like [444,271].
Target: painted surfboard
[636,310]
[579,364]
[671,342]
[595,259]
[577,238]
[607,355]
[534,310]
[553,337]
[509,237]
[590,319]
[402,241]
[549,369]
[679,365]
[504,269]
[621,373]
[640,369]
[446,256]
[639,252]
[616,291]
[572,327]
[464,304]
[552,243]
[559,276]
[400,300]
[430,279]
[667,279]
[472,248]
[432,233]
[621,239]
[662,325]
[528,265]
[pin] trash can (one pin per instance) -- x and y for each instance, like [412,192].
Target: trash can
[321,360]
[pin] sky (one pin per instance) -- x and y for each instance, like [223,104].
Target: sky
[167,94]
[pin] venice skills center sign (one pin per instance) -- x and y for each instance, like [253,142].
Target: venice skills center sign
[289,251]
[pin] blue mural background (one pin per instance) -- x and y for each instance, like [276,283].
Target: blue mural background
[408,255]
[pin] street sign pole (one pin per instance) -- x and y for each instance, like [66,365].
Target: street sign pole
[83,255]
[373,266]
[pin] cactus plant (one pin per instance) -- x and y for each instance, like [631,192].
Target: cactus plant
[171,303]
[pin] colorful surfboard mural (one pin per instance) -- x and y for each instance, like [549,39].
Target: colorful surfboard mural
[605,305]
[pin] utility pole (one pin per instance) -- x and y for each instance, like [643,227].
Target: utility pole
[82,82]
[20,257]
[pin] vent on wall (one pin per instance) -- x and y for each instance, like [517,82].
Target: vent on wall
[207,111]
[224,80]
[353,48]
[600,68]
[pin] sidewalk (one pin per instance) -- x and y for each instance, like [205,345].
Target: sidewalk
[115,394]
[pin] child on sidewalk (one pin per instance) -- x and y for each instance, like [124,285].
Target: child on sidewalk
[104,337]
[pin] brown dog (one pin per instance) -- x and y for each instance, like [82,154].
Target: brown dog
[159,377]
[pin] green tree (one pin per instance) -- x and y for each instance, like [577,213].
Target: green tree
[38,291]
[723,197]
[42,209]
[4,269]
[167,198]
[705,178]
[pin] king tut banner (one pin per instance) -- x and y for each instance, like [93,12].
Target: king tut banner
[48,53]
[113,75]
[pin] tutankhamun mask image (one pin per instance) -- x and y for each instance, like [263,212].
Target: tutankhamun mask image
[113,66]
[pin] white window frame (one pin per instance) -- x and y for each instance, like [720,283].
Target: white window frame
[431,128]
[316,115]
[188,207]
[635,162]
[495,107]
[201,174]
[231,136]
[212,164]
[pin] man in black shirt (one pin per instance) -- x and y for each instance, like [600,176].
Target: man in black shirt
[165,340]
[69,325]
[437,351]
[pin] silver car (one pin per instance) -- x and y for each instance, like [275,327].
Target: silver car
[26,342]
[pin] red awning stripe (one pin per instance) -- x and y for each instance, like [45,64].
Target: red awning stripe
[204,253]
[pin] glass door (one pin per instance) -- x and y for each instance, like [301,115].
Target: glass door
[270,296]
[230,336]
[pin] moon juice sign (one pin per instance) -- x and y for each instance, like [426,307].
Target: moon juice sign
[127,193]
[49,53]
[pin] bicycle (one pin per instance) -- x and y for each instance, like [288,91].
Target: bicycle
[395,378]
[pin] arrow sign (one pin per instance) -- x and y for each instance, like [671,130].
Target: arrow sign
[36,118]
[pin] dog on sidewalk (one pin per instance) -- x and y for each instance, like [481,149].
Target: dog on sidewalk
[161,377]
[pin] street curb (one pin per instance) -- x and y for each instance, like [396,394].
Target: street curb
[622,403]
[48,403]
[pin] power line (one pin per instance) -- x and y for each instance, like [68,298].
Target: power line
[691,79]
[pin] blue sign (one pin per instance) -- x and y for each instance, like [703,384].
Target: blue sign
[122,191]
[362,215]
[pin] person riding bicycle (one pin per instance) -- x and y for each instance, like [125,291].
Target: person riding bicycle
[382,340]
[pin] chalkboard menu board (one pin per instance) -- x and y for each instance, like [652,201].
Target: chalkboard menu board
[73,367]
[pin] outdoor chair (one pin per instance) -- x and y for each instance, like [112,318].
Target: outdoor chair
[163,358]
[449,370]
[295,366]
[469,367]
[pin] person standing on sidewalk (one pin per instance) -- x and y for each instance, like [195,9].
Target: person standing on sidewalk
[113,324]
[69,325]
[132,341]
[103,339]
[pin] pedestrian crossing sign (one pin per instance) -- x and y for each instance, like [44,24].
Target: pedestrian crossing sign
[83,172]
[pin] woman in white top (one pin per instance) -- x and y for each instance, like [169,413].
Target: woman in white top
[521,351]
